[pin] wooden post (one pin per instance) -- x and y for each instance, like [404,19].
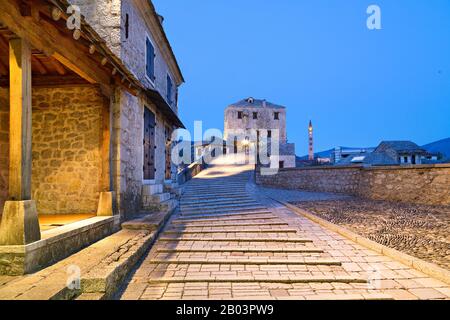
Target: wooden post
[106,146]
[106,200]
[20,120]
[20,225]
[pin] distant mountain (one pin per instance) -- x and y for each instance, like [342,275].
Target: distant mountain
[441,146]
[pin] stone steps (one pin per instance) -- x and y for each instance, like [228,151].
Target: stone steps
[244,208]
[221,206]
[239,249]
[195,198]
[237,239]
[217,225]
[212,219]
[187,231]
[214,201]
[225,214]
[168,205]
[243,279]
[209,194]
[218,203]
[259,261]
[225,210]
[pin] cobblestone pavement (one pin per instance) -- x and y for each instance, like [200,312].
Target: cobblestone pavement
[230,241]
[418,230]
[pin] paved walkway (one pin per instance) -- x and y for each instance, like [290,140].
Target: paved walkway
[231,241]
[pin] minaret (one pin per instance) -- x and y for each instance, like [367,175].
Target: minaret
[311,146]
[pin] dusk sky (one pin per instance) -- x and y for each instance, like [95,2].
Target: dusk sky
[317,58]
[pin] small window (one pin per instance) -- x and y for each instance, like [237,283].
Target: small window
[169,89]
[281,164]
[269,133]
[276,115]
[405,159]
[255,115]
[127,26]
[239,114]
[150,60]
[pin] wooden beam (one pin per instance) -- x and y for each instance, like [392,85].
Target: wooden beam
[105,180]
[58,67]
[20,120]
[25,8]
[46,37]
[41,68]
[50,81]
[3,69]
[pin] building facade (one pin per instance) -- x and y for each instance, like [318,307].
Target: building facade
[254,124]
[86,117]
[134,31]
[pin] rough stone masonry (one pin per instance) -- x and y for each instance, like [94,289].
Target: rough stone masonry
[427,184]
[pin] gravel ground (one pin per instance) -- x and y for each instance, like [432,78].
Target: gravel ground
[422,231]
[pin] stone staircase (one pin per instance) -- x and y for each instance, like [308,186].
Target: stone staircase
[157,198]
[225,244]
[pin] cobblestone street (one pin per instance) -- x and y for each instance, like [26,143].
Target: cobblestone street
[229,240]
[418,230]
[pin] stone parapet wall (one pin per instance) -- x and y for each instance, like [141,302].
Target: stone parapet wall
[428,184]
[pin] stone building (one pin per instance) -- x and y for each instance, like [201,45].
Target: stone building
[86,116]
[255,124]
[385,154]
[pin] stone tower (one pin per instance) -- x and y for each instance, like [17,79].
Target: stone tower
[311,145]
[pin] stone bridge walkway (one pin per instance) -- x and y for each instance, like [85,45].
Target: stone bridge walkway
[230,241]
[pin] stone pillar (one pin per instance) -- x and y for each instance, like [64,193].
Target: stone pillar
[20,224]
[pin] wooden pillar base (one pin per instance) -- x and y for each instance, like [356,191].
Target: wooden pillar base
[20,224]
[105,204]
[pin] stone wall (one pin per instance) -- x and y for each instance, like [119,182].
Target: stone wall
[108,17]
[66,145]
[128,120]
[428,184]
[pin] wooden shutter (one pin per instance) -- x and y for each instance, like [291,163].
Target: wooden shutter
[149,145]
[150,60]
[169,89]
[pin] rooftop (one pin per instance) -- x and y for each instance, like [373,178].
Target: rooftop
[400,147]
[255,103]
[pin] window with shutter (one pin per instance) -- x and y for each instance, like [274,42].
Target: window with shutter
[169,89]
[150,56]
[149,144]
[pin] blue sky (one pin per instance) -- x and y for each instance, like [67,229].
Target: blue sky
[317,58]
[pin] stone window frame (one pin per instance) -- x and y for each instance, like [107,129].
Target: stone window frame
[255,115]
[240,114]
[152,81]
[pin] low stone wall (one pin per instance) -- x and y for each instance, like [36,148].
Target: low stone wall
[428,184]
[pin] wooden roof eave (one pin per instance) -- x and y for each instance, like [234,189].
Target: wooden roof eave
[123,76]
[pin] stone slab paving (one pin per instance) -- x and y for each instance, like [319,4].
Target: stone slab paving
[276,263]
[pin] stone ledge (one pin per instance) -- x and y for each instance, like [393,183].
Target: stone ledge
[103,281]
[428,268]
[56,244]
